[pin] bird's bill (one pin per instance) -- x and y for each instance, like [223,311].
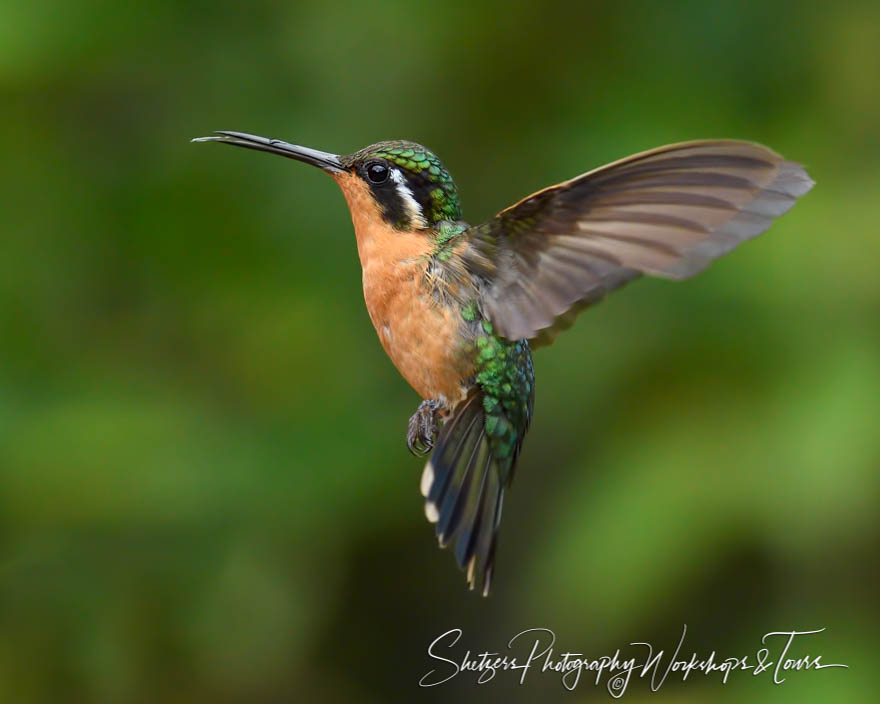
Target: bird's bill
[325,160]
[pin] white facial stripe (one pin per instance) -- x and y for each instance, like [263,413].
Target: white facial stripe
[413,209]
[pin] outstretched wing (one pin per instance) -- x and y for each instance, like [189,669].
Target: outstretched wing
[666,212]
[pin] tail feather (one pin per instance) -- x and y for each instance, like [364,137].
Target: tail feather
[488,536]
[463,486]
[465,479]
[445,453]
[464,548]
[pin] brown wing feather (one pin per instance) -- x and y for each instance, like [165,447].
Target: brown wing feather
[666,212]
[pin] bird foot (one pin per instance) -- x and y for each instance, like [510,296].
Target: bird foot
[422,429]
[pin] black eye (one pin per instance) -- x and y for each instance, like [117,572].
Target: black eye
[377,172]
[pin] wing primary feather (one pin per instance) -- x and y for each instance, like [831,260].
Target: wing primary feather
[668,212]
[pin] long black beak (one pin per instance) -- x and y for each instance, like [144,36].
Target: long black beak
[325,160]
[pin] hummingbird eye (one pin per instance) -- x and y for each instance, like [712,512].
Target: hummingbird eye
[377,172]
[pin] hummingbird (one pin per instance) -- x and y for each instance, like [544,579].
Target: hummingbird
[458,308]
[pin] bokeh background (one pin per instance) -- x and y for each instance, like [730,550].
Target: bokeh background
[206,496]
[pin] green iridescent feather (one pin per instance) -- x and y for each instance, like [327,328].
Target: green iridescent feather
[447,234]
[504,371]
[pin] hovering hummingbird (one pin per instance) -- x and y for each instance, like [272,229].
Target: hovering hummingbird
[458,307]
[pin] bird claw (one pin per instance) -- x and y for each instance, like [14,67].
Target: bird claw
[422,429]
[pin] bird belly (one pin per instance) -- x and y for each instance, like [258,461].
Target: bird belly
[422,337]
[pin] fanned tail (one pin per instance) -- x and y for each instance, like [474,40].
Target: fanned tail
[463,485]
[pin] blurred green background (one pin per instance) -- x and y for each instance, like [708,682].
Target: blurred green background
[206,494]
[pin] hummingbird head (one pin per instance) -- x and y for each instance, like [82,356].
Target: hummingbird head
[404,183]
[408,182]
